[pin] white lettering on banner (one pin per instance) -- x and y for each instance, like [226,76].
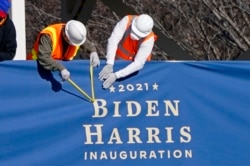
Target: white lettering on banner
[153,135]
[185,134]
[115,136]
[96,134]
[134,135]
[134,108]
[141,154]
[139,87]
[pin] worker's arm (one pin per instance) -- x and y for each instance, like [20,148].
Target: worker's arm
[89,46]
[93,56]
[44,55]
[114,39]
[139,61]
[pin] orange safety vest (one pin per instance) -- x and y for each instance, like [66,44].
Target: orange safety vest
[127,48]
[55,33]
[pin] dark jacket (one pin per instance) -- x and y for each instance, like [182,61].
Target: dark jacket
[8,43]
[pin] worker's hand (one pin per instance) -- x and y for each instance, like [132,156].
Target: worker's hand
[94,59]
[109,81]
[107,69]
[65,74]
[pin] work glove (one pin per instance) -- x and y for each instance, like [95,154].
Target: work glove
[65,74]
[107,69]
[94,59]
[109,81]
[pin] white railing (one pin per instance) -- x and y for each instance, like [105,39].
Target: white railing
[17,13]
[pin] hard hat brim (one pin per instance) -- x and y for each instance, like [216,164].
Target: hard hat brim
[136,31]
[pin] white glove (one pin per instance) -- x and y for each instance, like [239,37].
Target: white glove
[107,69]
[94,59]
[109,81]
[65,74]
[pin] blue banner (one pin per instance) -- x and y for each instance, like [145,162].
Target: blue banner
[169,113]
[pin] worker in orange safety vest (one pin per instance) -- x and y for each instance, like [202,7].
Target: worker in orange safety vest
[132,39]
[61,42]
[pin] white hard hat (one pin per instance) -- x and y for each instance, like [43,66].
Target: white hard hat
[76,32]
[142,25]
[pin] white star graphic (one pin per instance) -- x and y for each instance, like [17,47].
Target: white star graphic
[155,86]
[112,89]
